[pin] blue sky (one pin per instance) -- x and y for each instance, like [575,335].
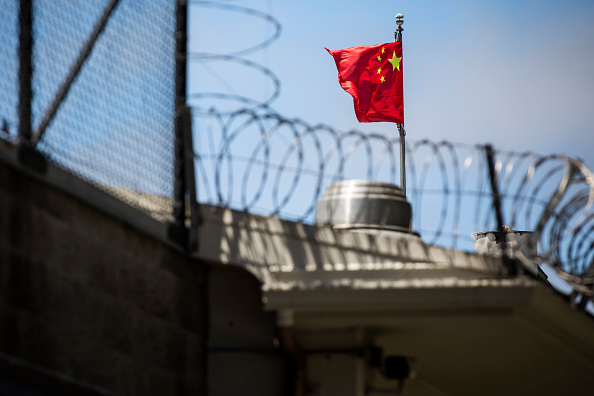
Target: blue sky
[516,74]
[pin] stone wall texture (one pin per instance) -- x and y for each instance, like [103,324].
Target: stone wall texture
[90,298]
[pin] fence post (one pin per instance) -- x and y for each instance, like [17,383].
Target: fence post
[25,70]
[510,266]
[190,181]
[178,231]
[26,151]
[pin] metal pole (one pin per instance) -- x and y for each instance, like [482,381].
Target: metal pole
[495,192]
[190,181]
[401,131]
[509,265]
[179,179]
[402,159]
[25,70]
[398,32]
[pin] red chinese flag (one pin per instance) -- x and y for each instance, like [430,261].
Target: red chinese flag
[373,76]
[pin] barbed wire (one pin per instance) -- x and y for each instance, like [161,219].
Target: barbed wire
[252,159]
[197,95]
[263,163]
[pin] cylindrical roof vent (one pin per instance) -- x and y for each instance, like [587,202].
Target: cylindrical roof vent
[362,204]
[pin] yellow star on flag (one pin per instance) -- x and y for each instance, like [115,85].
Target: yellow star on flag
[382,79]
[379,71]
[383,50]
[395,61]
[379,58]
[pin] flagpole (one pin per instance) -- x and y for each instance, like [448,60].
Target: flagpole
[401,131]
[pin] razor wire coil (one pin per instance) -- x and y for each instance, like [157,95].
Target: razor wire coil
[263,163]
[201,99]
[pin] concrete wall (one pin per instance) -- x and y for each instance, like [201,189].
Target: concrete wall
[243,359]
[85,297]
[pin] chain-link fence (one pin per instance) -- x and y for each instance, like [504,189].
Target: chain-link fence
[9,90]
[103,102]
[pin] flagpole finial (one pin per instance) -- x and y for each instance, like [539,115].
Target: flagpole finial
[398,32]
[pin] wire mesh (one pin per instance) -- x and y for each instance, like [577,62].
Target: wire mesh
[9,91]
[115,128]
